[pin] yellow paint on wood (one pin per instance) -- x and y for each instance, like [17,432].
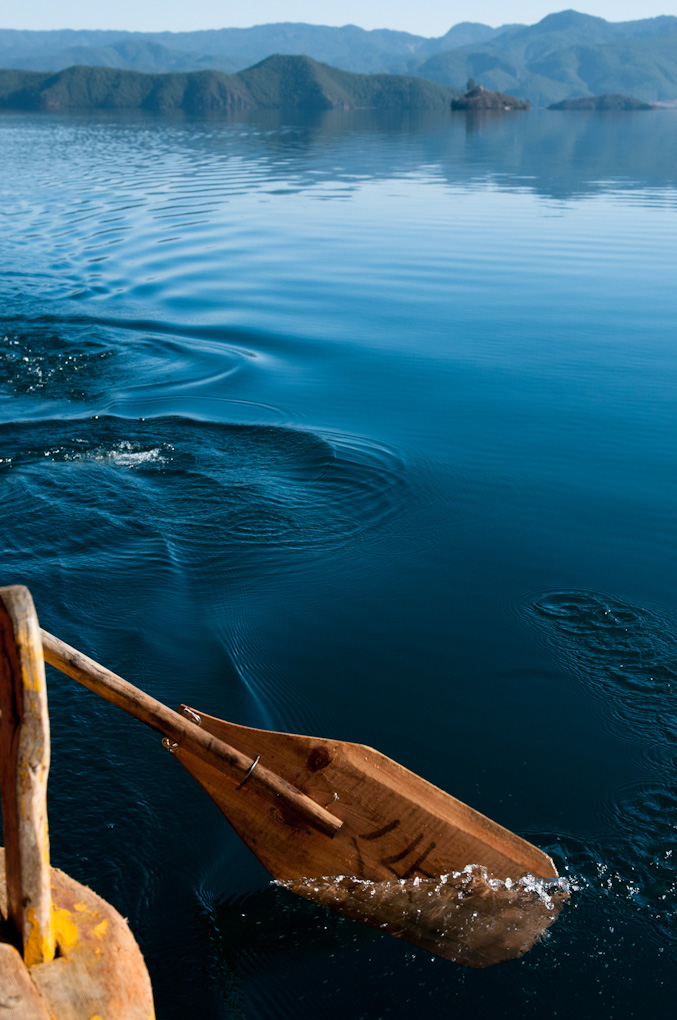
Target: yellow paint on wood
[39,945]
[32,681]
[67,934]
[100,929]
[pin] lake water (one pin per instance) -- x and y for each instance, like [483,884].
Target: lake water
[365,428]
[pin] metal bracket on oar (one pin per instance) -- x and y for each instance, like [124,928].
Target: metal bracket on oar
[188,734]
[196,718]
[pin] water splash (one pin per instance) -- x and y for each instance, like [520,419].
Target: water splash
[467,916]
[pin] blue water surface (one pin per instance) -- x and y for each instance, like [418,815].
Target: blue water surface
[361,426]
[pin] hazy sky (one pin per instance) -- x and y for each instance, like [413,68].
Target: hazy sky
[423,17]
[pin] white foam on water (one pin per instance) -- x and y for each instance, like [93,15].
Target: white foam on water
[124,454]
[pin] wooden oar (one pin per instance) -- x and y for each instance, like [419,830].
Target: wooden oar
[177,729]
[342,824]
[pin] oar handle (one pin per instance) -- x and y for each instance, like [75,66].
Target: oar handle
[179,729]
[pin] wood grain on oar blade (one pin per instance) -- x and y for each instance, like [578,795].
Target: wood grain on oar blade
[395,824]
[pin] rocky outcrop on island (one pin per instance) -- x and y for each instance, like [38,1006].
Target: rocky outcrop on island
[279,82]
[479,98]
[609,101]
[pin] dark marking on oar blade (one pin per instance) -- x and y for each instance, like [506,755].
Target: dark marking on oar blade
[360,869]
[395,858]
[416,866]
[388,862]
[378,833]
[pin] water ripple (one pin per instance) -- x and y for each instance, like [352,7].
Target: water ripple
[97,361]
[205,488]
[39,359]
[625,654]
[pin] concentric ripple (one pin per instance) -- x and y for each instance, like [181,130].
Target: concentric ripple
[201,488]
[627,655]
[50,358]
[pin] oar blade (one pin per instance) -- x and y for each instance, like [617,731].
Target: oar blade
[400,836]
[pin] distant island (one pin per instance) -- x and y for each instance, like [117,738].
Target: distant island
[609,101]
[479,98]
[275,83]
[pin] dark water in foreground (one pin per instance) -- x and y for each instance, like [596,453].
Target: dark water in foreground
[366,429]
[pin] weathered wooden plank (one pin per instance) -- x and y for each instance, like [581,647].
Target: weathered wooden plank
[19,998]
[99,970]
[24,768]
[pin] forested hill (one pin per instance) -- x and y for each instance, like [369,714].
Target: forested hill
[564,55]
[275,83]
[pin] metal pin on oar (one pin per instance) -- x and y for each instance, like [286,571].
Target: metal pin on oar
[251,768]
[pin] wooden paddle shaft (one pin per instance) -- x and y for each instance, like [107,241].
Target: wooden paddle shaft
[186,733]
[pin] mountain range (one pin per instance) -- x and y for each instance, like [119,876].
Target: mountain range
[231,49]
[564,55]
